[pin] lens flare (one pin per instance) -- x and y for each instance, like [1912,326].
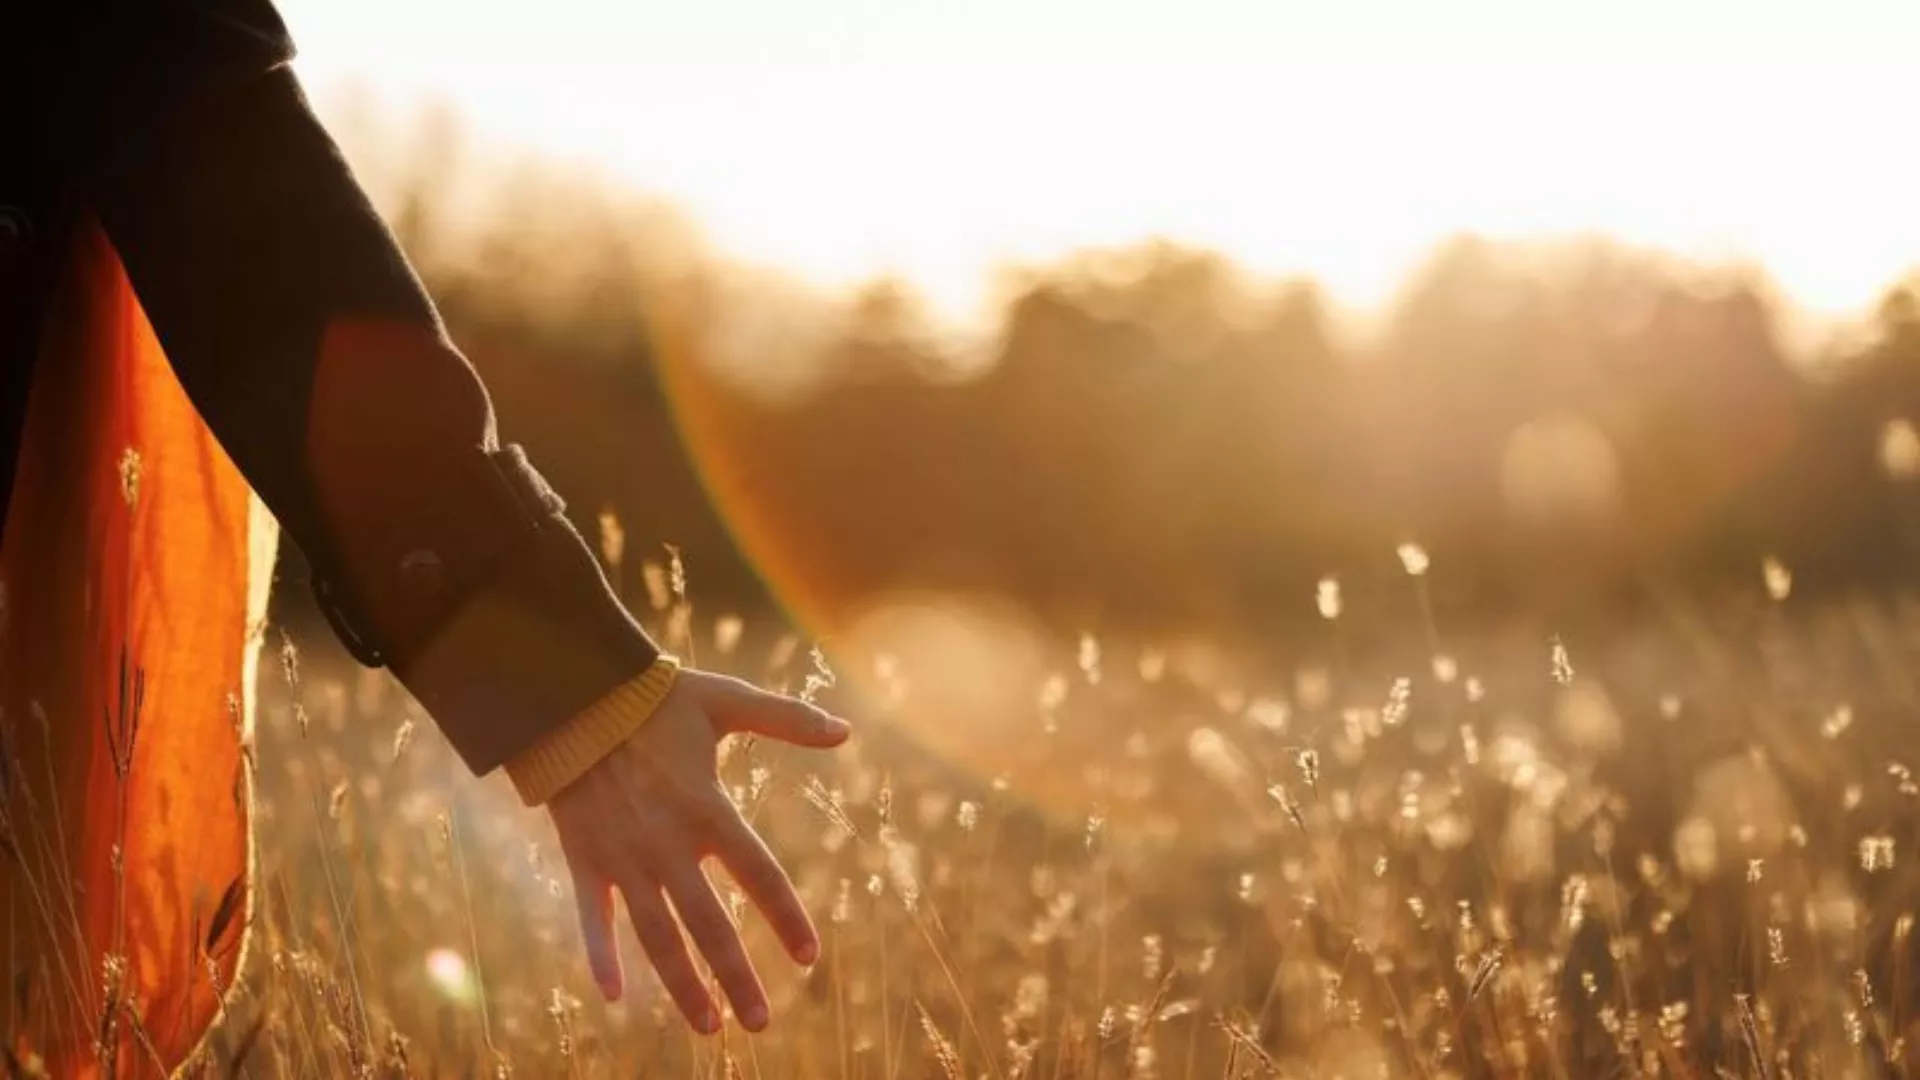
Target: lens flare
[448,972]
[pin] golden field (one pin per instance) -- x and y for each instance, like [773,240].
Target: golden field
[1682,847]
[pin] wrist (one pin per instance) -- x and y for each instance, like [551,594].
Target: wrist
[563,755]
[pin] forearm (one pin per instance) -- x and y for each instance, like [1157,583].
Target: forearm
[310,348]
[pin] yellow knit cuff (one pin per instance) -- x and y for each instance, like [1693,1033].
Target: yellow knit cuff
[563,754]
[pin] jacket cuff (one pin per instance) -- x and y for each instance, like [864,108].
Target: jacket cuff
[447,558]
[525,652]
[563,755]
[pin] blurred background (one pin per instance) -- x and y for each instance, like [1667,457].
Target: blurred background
[1419,495]
[1157,318]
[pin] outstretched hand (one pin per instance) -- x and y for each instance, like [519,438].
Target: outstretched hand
[643,820]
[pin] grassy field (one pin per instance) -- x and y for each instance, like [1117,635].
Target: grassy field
[1681,847]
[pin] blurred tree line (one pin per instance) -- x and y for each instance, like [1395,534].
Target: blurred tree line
[1154,437]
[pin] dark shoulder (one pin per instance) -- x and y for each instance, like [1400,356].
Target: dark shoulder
[84,76]
[218,38]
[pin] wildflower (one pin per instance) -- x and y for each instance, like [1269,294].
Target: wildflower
[1750,1031]
[659,596]
[131,466]
[1089,659]
[727,630]
[1396,711]
[1562,664]
[944,1052]
[829,804]
[1903,778]
[1900,449]
[1279,794]
[1327,598]
[613,539]
[1308,762]
[1778,578]
[289,660]
[1413,558]
[1490,965]
[820,678]
[903,861]
[1469,744]
[1673,1024]
[1876,853]
[1573,901]
[676,573]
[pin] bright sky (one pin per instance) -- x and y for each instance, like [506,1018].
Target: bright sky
[840,138]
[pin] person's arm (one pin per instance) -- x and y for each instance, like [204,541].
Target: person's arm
[305,340]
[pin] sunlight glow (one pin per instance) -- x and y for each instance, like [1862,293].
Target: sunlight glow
[842,138]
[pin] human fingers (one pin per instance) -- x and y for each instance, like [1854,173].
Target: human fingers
[666,949]
[766,883]
[719,941]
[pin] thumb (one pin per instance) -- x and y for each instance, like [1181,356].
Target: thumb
[744,709]
[594,895]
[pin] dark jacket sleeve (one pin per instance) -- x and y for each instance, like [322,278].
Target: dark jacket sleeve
[304,338]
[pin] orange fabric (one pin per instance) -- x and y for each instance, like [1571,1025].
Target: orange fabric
[121,972]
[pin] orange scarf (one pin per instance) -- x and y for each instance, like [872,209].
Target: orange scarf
[126,796]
